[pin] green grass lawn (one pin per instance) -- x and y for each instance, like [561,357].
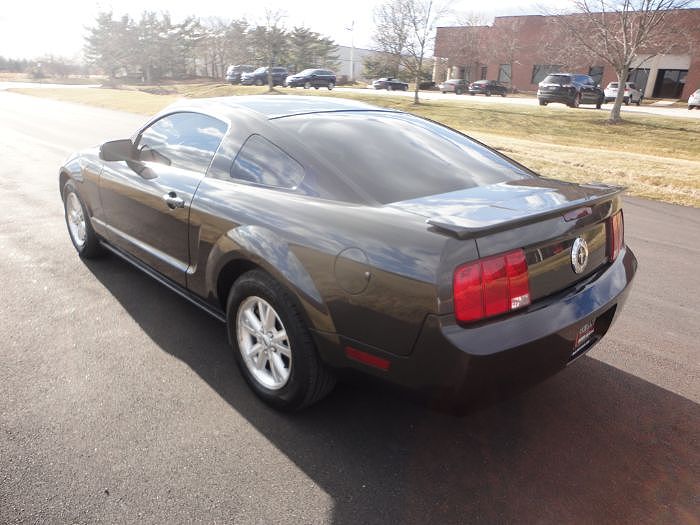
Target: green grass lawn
[656,157]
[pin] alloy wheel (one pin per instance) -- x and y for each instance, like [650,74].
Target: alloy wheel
[76,220]
[263,343]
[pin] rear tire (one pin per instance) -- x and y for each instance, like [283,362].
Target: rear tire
[258,82]
[488,93]
[331,85]
[639,101]
[542,102]
[457,91]
[272,344]
[83,237]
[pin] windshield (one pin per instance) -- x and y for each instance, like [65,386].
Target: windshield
[306,72]
[394,156]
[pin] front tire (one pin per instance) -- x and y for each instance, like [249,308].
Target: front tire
[307,85]
[331,85]
[83,237]
[258,82]
[272,344]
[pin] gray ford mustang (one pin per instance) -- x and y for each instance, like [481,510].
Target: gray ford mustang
[334,237]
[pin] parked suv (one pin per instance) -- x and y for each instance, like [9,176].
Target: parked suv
[570,89]
[233,73]
[311,78]
[259,76]
[488,88]
[632,94]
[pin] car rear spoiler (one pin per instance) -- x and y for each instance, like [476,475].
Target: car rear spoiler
[473,227]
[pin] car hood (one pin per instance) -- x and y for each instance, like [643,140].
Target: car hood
[499,206]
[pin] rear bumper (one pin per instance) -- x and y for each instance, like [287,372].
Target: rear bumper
[563,98]
[463,363]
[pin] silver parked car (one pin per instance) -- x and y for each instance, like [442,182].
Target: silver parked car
[454,85]
[632,94]
[694,100]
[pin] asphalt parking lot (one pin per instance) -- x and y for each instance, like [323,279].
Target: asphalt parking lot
[120,402]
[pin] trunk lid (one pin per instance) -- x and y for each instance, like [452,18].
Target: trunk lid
[544,217]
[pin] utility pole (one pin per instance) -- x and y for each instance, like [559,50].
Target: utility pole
[352,50]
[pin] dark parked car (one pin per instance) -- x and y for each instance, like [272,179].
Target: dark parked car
[488,88]
[233,73]
[259,76]
[390,84]
[309,78]
[454,85]
[329,237]
[570,89]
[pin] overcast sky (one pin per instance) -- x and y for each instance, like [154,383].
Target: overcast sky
[32,28]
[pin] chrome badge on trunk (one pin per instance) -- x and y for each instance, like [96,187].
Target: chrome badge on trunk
[579,255]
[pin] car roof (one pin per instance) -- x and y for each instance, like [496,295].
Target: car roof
[277,106]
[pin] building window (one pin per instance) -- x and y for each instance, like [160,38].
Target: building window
[484,71]
[504,73]
[596,72]
[539,71]
[640,78]
[670,83]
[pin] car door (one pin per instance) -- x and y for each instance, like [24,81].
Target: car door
[146,202]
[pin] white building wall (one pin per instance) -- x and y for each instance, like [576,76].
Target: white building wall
[344,58]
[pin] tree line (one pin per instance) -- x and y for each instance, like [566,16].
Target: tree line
[154,48]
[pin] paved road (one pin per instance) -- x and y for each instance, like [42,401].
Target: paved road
[527,101]
[120,402]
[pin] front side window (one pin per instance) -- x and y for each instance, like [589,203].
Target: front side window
[261,162]
[182,140]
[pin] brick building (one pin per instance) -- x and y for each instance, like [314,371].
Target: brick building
[521,50]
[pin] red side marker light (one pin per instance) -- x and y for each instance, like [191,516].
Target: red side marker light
[367,359]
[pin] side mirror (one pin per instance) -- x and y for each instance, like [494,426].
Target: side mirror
[116,150]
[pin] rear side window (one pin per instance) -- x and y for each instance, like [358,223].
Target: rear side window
[394,156]
[261,162]
[182,140]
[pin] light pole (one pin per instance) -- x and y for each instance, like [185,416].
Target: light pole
[352,50]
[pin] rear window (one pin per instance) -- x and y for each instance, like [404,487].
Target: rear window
[612,85]
[395,156]
[557,79]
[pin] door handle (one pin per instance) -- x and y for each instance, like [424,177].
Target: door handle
[173,201]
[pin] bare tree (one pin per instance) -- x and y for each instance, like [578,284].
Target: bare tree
[391,33]
[406,30]
[618,32]
[465,44]
[505,43]
[422,18]
[270,39]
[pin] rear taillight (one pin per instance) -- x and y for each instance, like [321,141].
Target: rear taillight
[615,227]
[491,286]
